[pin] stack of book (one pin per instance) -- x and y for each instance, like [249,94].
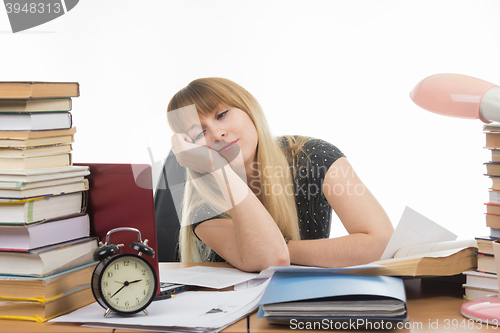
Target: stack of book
[45,245]
[483,281]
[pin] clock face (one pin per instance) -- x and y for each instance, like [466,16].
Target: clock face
[127,283]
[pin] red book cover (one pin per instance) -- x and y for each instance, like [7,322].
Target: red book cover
[121,195]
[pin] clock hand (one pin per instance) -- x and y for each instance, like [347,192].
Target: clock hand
[124,285]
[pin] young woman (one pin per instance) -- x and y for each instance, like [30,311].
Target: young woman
[255,200]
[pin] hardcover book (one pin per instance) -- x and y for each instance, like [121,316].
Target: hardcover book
[48,260]
[35,105]
[38,89]
[28,237]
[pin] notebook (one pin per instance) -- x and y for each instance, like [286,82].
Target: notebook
[121,195]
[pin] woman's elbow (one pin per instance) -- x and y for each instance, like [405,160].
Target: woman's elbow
[265,263]
[384,234]
[380,241]
[275,261]
[280,258]
[281,261]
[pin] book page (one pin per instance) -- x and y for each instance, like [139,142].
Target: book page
[414,228]
[417,249]
[437,254]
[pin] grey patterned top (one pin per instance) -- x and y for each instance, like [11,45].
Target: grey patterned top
[313,210]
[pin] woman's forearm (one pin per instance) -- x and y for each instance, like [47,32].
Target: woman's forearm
[259,241]
[353,249]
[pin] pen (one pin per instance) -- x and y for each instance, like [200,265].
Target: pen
[162,297]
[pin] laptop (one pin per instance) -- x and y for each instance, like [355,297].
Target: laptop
[121,195]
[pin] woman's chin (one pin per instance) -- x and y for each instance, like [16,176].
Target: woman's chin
[232,154]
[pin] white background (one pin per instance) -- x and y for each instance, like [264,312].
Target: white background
[336,70]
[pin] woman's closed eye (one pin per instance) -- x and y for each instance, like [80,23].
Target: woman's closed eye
[222,114]
[199,136]
[218,116]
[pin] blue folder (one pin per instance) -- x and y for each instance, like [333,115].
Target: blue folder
[289,287]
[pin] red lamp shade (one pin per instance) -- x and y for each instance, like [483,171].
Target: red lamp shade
[458,95]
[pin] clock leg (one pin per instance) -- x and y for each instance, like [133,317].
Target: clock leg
[106,314]
[145,311]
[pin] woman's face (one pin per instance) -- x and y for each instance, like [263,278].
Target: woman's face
[223,130]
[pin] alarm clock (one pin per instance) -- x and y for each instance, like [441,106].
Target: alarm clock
[124,283]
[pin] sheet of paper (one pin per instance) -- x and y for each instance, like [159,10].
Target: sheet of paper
[209,277]
[414,228]
[188,312]
[250,283]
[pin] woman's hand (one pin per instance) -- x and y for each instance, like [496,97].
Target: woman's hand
[196,157]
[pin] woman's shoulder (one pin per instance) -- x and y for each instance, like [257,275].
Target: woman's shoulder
[309,145]
[302,150]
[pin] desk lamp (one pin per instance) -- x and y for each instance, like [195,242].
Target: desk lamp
[464,96]
[458,95]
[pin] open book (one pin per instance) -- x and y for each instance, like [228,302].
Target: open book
[428,259]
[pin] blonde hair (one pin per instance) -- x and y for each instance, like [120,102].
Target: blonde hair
[208,94]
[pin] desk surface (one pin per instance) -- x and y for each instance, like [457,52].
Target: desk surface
[432,306]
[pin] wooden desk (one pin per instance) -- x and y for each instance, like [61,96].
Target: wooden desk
[433,306]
